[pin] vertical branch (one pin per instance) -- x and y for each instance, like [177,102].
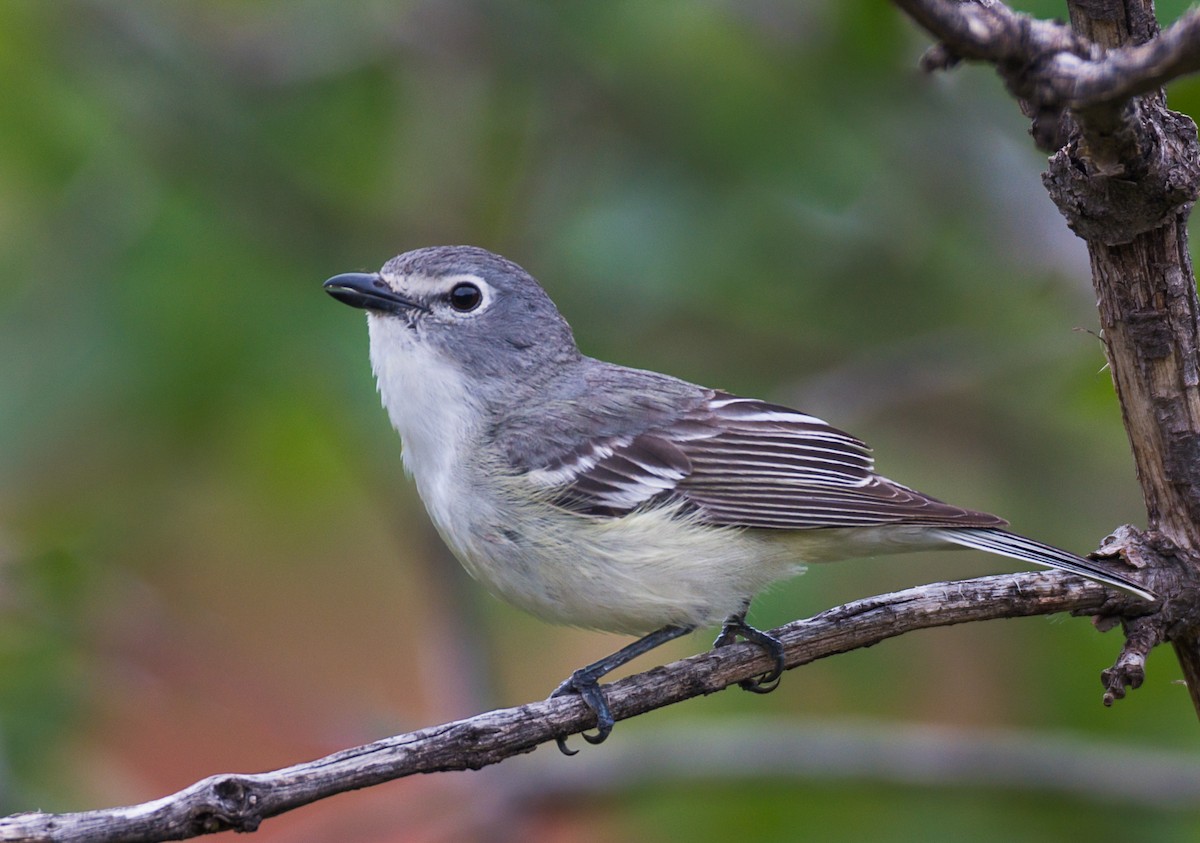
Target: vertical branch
[1132,157]
[1147,302]
[1125,175]
[1148,311]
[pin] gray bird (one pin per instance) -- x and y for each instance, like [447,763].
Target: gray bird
[618,499]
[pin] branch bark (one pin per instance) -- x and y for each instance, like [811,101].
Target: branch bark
[1125,175]
[242,801]
[1055,64]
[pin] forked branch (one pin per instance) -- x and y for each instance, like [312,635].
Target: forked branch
[1125,173]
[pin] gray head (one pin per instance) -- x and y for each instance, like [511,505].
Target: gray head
[473,309]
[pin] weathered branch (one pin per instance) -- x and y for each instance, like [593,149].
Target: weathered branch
[1125,178]
[1092,71]
[1131,165]
[1125,72]
[1048,63]
[1149,311]
[242,801]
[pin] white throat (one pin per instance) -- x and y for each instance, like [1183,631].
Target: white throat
[430,406]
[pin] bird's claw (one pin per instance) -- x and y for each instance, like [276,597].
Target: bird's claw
[588,688]
[764,684]
[769,681]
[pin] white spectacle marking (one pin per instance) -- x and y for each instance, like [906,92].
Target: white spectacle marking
[428,289]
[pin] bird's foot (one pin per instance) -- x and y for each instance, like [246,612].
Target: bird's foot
[586,681]
[735,627]
[587,684]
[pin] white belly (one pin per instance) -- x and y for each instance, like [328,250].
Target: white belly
[631,574]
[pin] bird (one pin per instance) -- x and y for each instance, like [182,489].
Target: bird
[619,499]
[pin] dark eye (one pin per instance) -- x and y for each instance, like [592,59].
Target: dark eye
[465,297]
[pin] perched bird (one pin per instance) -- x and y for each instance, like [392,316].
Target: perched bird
[618,499]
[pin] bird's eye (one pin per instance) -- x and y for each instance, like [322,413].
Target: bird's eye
[465,297]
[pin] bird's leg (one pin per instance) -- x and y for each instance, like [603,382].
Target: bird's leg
[736,625]
[585,681]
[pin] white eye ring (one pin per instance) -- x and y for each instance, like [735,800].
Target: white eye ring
[461,296]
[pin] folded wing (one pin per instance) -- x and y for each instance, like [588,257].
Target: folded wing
[742,462]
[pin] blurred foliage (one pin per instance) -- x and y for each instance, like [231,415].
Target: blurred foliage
[210,559]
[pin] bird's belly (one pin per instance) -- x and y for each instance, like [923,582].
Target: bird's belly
[631,574]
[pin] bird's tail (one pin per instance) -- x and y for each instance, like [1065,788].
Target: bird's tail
[1019,547]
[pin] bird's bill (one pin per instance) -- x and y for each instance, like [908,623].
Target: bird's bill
[369,291]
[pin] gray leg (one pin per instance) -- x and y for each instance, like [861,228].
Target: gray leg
[585,681]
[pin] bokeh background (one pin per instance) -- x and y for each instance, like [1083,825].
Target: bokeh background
[210,560]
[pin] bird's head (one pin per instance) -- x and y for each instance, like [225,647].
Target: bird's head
[463,307]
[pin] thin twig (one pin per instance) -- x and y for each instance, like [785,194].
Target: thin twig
[242,801]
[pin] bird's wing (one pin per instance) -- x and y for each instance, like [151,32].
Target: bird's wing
[742,462]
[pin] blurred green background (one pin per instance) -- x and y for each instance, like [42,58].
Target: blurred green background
[210,560]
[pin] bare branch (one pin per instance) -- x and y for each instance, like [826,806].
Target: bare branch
[1128,71]
[989,31]
[1124,174]
[242,801]
[1046,62]
[1141,636]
